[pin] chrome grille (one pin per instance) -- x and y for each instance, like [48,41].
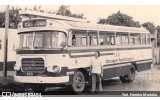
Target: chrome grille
[33,65]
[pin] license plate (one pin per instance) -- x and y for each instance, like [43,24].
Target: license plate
[29,74]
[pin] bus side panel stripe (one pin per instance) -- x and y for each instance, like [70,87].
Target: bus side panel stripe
[143,66]
[104,54]
[77,56]
[146,61]
[126,64]
[88,55]
[76,50]
[116,65]
[88,49]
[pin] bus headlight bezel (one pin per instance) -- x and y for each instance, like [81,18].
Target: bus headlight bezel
[54,69]
[16,68]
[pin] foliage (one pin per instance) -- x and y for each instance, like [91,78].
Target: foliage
[13,18]
[150,27]
[120,19]
[158,35]
[64,11]
[2,19]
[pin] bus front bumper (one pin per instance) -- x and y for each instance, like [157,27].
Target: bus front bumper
[40,79]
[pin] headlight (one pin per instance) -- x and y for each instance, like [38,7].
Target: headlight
[16,68]
[54,69]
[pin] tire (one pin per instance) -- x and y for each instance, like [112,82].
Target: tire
[122,78]
[130,77]
[78,82]
[37,88]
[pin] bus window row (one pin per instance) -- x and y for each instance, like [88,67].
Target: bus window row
[93,38]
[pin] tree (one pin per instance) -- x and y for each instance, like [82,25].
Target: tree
[2,19]
[119,19]
[64,11]
[150,27]
[158,35]
[102,21]
[14,18]
[36,8]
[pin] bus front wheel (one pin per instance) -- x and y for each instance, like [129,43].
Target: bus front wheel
[130,77]
[78,83]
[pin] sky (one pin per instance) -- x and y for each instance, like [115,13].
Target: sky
[141,13]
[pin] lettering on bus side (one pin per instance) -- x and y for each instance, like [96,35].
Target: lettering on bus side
[120,60]
[117,54]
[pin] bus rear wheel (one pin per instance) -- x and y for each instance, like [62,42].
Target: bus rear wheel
[78,83]
[130,77]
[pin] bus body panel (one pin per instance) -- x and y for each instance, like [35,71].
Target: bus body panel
[83,59]
[115,63]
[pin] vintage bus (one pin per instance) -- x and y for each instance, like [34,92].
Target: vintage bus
[55,52]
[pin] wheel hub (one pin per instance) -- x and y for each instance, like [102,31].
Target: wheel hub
[79,81]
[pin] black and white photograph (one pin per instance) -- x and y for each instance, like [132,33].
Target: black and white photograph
[79,50]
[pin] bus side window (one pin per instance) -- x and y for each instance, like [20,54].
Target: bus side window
[79,38]
[84,39]
[118,39]
[122,38]
[125,39]
[93,39]
[106,39]
[0,44]
[112,42]
[135,39]
[143,37]
[102,39]
[147,39]
[73,40]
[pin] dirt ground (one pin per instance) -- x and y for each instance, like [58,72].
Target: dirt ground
[145,81]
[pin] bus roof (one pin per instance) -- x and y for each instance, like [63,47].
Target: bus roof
[100,27]
[26,14]
[79,24]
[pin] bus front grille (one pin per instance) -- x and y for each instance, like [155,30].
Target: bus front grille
[35,65]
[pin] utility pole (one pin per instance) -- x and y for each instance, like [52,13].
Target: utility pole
[6,42]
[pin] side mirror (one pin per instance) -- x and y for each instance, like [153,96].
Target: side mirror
[63,45]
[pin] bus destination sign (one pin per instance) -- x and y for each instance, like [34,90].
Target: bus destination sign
[34,23]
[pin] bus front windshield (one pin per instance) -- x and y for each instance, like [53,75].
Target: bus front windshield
[41,40]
